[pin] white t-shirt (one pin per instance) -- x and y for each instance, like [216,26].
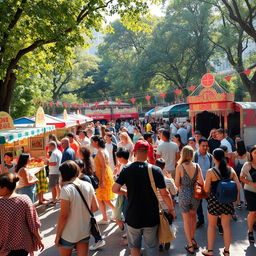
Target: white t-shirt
[168,150]
[174,128]
[130,129]
[225,142]
[85,142]
[109,148]
[56,157]
[78,225]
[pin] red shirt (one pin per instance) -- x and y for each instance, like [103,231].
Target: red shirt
[18,220]
[151,156]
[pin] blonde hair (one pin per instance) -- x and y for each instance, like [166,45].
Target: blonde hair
[127,137]
[187,154]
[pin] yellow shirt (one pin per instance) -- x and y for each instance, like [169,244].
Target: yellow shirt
[148,127]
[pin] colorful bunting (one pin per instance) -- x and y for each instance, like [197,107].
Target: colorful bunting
[228,78]
[133,100]
[119,102]
[247,72]
[163,95]
[192,88]
[178,92]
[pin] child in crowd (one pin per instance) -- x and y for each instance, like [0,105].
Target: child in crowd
[170,185]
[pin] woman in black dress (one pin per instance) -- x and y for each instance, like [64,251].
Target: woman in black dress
[215,208]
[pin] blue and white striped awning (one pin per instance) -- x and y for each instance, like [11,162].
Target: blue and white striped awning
[10,136]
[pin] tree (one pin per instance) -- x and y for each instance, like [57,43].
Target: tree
[233,41]
[31,28]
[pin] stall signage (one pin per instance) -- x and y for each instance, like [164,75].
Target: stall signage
[6,122]
[40,118]
[65,114]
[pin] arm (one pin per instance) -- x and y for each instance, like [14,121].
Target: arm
[235,179]
[63,217]
[244,177]
[168,200]
[117,189]
[103,164]
[200,176]
[207,184]
[177,176]
[177,156]
[94,205]
[25,176]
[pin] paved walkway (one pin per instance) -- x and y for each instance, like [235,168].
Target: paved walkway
[239,247]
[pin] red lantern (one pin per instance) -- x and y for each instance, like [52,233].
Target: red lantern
[247,72]
[42,102]
[163,95]
[74,105]
[57,104]
[86,104]
[106,102]
[192,88]
[228,78]
[208,80]
[51,104]
[96,104]
[35,101]
[65,105]
[148,98]
[178,92]
[133,100]
[119,102]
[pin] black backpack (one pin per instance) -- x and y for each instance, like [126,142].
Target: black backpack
[94,181]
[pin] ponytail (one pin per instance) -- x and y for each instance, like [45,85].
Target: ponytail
[219,155]
[101,141]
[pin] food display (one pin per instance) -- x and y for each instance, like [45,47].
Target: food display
[34,163]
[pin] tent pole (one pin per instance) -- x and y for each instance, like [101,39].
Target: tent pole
[2,157]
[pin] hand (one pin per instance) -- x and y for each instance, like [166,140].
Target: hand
[57,241]
[102,184]
[40,245]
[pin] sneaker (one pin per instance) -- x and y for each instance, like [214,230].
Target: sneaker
[103,222]
[167,246]
[161,248]
[97,245]
[220,228]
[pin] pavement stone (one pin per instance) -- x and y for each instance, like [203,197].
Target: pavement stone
[239,247]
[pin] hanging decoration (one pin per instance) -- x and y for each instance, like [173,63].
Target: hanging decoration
[163,95]
[133,100]
[42,102]
[148,98]
[208,80]
[192,88]
[247,72]
[96,104]
[119,102]
[57,104]
[86,104]
[178,92]
[74,105]
[106,102]
[51,104]
[228,78]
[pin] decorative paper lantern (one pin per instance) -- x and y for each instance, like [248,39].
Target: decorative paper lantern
[178,92]
[192,88]
[51,104]
[119,101]
[96,104]
[163,95]
[74,105]
[208,80]
[148,98]
[133,100]
[247,72]
[106,102]
[228,78]
[65,105]
[57,104]
[86,104]
[42,102]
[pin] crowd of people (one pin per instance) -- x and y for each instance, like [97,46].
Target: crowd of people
[89,169]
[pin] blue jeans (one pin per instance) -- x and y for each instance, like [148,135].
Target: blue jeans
[29,191]
[149,235]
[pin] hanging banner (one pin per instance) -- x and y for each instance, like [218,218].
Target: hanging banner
[40,118]
[133,100]
[6,122]
[228,78]
[163,95]
[178,92]
[119,102]
[192,88]
[247,72]
[65,114]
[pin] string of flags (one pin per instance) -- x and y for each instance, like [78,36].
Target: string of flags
[177,92]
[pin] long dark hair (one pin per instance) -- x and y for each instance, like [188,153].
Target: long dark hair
[219,155]
[101,142]
[8,180]
[252,149]
[88,168]
[22,162]
[240,148]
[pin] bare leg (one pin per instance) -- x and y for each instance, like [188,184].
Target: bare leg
[54,193]
[102,207]
[65,252]
[58,191]
[41,197]
[82,249]
[109,203]
[212,222]
[225,222]
[192,223]
[251,220]
[187,227]
[135,252]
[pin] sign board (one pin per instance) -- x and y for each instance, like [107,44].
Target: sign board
[6,122]
[40,118]
[65,114]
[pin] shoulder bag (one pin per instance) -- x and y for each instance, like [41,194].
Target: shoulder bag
[95,231]
[165,233]
[199,192]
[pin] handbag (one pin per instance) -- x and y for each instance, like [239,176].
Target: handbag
[165,233]
[95,231]
[199,192]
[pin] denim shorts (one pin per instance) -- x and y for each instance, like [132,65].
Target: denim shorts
[150,238]
[69,245]
[28,190]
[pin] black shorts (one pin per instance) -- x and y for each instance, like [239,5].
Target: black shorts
[251,199]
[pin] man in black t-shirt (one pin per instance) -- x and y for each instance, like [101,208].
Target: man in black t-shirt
[142,216]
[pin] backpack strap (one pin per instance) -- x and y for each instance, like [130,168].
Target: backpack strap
[216,173]
[210,158]
[196,157]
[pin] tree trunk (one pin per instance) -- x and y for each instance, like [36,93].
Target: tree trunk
[6,92]
[250,85]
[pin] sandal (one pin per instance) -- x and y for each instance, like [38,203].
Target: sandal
[188,249]
[195,245]
[225,252]
[251,237]
[207,253]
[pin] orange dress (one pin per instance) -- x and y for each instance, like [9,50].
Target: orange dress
[104,194]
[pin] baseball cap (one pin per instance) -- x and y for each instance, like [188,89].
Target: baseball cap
[192,138]
[141,145]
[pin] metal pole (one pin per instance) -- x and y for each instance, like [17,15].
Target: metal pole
[2,156]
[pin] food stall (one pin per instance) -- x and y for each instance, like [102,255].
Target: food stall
[212,106]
